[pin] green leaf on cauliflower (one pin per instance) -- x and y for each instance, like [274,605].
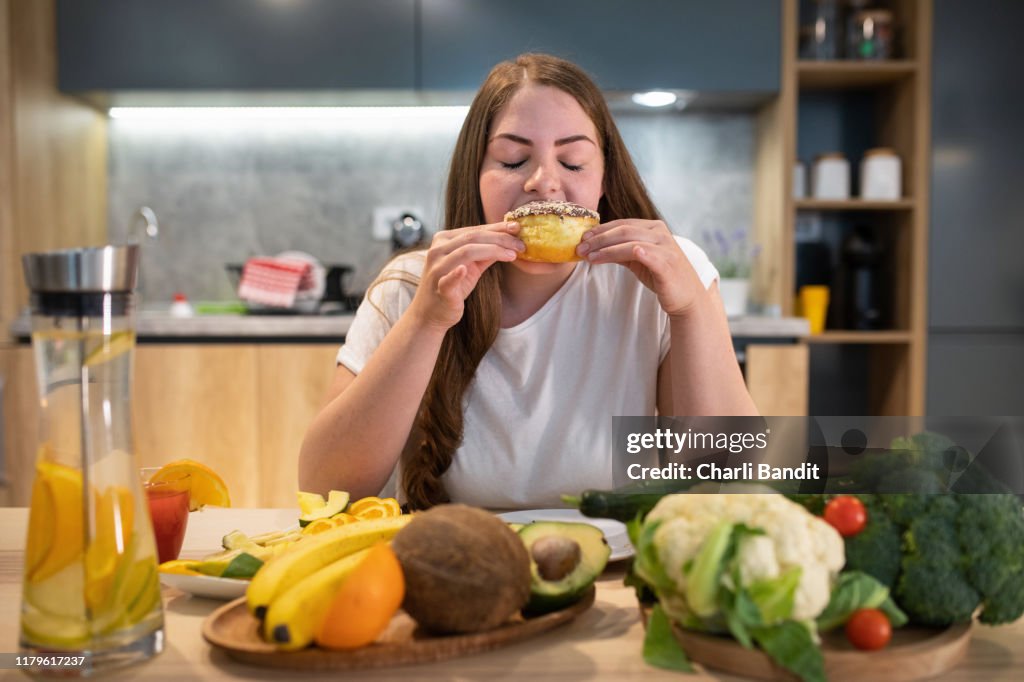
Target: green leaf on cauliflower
[856,590]
[792,647]
[705,575]
[774,597]
[661,648]
[646,563]
[740,615]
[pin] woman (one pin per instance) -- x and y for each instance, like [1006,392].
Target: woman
[492,381]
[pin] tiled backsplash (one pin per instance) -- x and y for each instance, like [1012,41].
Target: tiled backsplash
[225,193]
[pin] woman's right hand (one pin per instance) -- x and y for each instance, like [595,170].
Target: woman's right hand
[455,261]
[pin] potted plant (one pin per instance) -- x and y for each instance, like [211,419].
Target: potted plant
[733,256]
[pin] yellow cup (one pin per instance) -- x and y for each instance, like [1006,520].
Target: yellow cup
[814,306]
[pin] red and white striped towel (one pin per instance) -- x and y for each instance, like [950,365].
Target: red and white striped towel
[274,281]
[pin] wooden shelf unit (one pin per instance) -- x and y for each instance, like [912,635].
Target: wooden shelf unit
[890,101]
[838,75]
[892,336]
[853,205]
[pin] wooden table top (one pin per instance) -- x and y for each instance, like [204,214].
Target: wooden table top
[603,643]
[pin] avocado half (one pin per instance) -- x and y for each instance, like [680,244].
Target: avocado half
[565,560]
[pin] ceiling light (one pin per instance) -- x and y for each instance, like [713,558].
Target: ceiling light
[654,98]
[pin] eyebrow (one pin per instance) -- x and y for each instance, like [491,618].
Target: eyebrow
[558,143]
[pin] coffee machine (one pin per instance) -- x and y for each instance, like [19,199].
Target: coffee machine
[861,290]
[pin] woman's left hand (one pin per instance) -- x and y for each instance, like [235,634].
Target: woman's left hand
[650,251]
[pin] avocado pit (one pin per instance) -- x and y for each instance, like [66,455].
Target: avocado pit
[556,556]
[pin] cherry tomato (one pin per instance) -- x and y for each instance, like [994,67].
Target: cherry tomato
[846,514]
[868,629]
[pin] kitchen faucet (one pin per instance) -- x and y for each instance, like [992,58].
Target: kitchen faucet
[144,217]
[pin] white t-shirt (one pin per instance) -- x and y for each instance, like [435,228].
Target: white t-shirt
[538,415]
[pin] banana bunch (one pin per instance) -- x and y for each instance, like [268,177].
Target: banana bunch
[291,592]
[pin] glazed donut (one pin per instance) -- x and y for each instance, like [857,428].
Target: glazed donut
[551,230]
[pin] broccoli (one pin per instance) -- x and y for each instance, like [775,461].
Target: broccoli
[963,552]
[934,595]
[992,525]
[946,554]
[876,549]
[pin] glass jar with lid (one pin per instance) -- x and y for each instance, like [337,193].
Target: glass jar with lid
[90,584]
[869,35]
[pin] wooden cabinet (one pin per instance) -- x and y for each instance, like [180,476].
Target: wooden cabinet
[236,44]
[53,153]
[242,409]
[624,45]
[776,377]
[412,44]
[850,106]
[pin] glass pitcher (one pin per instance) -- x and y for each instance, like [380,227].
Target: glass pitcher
[90,586]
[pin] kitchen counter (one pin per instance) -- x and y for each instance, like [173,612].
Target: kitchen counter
[603,643]
[153,325]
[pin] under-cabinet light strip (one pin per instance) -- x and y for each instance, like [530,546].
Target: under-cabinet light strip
[284,113]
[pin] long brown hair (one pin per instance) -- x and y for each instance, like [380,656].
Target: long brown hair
[438,431]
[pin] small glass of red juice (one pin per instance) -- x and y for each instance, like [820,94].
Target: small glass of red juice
[168,509]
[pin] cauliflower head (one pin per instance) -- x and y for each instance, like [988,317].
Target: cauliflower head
[780,540]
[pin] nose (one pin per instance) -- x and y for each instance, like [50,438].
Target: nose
[544,180]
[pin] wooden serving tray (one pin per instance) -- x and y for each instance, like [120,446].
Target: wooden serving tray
[234,630]
[914,653]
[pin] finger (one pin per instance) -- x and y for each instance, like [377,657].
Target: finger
[621,253]
[612,224]
[482,254]
[619,235]
[449,284]
[509,226]
[652,259]
[479,236]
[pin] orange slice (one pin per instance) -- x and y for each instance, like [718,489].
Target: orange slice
[206,486]
[57,506]
[318,526]
[375,508]
[342,518]
[180,567]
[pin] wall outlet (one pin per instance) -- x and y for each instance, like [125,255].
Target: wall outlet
[385,216]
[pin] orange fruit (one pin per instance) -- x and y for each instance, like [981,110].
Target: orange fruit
[318,526]
[206,487]
[57,508]
[375,508]
[342,518]
[364,604]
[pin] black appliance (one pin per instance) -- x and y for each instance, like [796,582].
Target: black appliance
[860,291]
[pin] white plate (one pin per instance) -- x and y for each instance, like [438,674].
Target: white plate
[206,586]
[614,531]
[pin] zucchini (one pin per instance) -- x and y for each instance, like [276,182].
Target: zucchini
[608,504]
[628,503]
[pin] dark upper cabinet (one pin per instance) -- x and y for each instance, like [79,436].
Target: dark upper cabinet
[728,46]
[714,46]
[236,44]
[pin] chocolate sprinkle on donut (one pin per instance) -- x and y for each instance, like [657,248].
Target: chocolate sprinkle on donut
[563,208]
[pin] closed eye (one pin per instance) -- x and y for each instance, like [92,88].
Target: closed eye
[513,166]
[574,169]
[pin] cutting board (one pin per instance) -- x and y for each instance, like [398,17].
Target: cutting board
[913,654]
[234,630]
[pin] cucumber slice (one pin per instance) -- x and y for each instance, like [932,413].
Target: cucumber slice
[236,539]
[242,566]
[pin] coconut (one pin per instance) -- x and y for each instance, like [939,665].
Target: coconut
[465,570]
